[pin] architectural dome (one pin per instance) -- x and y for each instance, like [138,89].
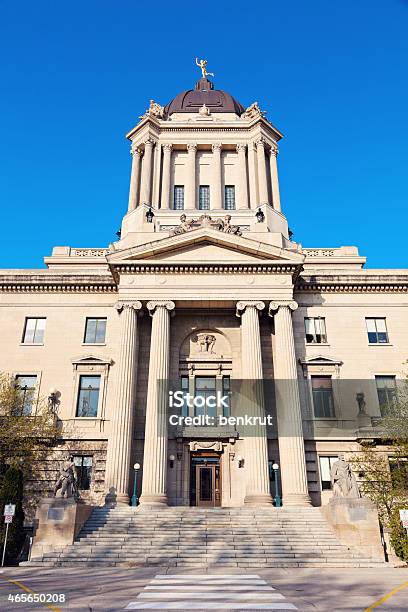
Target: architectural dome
[216,100]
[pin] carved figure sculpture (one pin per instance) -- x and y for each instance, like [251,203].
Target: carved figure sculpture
[343,480]
[222,225]
[67,481]
[228,228]
[252,112]
[154,110]
[206,342]
[185,226]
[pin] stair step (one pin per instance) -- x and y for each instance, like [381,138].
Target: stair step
[190,537]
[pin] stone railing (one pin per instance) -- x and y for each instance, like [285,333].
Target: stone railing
[321,252]
[89,252]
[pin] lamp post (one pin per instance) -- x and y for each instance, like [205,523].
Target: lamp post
[134,499]
[278,501]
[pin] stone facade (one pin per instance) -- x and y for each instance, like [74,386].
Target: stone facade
[219,294]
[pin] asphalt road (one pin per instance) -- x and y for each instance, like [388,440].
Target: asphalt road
[161,588]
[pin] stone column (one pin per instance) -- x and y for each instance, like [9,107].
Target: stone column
[274,179]
[262,180]
[165,194]
[134,178]
[191,177]
[256,445]
[216,197]
[120,437]
[155,449]
[252,175]
[243,179]
[289,415]
[146,186]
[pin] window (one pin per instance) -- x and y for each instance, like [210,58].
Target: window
[184,386]
[205,386]
[386,391]
[178,197]
[229,197]
[95,331]
[204,195]
[83,468]
[34,330]
[226,390]
[26,386]
[326,464]
[315,328]
[88,396]
[377,331]
[322,396]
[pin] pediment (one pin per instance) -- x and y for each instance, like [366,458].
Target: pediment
[205,246]
[91,360]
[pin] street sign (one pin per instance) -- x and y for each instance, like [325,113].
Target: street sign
[404,517]
[8,518]
[10,509]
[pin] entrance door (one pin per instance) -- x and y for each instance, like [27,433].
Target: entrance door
[206,482]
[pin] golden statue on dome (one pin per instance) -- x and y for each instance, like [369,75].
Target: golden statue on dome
[203,65]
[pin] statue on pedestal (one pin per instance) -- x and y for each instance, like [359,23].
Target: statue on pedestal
[67,481]
[343,481]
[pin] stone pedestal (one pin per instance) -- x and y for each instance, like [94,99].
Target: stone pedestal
[355,521]
[57,523]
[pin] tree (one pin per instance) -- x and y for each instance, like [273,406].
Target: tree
[23,436]
[384,471]
[11,492]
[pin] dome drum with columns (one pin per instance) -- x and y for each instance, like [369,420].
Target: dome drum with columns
[203,151]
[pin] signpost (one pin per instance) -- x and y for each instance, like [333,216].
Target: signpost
[9,511]
[404,518]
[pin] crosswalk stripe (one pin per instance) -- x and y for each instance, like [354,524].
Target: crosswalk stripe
[209,588]
[209,592]
[205,596]
[207,576]
[202,606]
[203,580]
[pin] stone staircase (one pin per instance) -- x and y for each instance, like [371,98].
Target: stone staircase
[196,537]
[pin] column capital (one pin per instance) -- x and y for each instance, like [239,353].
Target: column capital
[243,305]
[275,305]
[274,150]
[149,142]
[260,142]
[192,147]
[167,147]
[134,304]
[153,304]
[135,151]
[216,147]
[241,148]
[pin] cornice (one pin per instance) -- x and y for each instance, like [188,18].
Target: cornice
[56,284]
[172,268]
[353,284]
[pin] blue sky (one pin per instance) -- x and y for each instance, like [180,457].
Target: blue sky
[76,76]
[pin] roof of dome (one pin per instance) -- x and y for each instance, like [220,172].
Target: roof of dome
[216,100]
